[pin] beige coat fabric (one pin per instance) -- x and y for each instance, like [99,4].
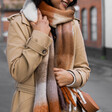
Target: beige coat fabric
[25,51]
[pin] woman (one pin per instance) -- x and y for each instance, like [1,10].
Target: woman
[45,51]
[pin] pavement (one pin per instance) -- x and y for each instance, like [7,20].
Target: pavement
[99,85]
[6,82]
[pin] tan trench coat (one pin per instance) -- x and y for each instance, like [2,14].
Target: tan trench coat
[25,51]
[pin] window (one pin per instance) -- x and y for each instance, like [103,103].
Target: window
[93,13]
[77,13]
[84,24]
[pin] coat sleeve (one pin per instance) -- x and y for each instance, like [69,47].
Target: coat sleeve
[81,66]
[25,55]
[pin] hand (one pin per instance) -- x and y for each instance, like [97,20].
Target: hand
[63,77]
[42,24]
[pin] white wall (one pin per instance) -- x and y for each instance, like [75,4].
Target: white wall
[108,23]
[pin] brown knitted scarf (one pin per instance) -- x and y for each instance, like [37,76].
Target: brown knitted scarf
[48,96]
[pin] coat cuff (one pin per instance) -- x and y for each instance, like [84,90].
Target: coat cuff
[39,42]
[74,79]
[78,79]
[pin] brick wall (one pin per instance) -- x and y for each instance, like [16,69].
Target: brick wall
[10,7]
[82,4]
[6,24]
[12,4]
[7,14]
[88,4]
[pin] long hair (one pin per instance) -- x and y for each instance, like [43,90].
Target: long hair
[37,2]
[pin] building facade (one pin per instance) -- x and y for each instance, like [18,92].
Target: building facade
[7,8]
[91,23]
[96,25]
[95,16]
[108,27]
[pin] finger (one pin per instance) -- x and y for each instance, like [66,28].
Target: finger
[39,15]
[45,18]
[56,73]
[57,78]
[57,69]
[60,84]
[32,24]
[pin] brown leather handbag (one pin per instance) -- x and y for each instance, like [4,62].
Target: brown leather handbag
[87,102]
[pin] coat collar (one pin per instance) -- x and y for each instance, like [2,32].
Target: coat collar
[30,11]
[25,20]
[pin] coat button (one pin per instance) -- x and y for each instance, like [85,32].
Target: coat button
[44,51]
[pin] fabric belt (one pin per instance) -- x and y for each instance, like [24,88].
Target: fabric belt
[25,88]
